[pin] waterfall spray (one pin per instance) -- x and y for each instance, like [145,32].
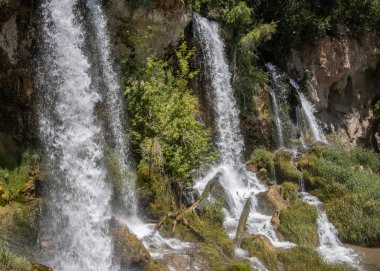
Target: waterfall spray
[78,200]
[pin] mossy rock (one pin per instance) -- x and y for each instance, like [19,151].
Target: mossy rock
[128,248]
[156,265]
[239,267]
[18,223]
[298,224]
[40,267]
[285,170]
[278,198]
[261,159]
[260,247]
[12,262]
[214,256]
[303,258]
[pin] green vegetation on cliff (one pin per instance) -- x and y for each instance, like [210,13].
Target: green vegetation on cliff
[8,261]
[163,114]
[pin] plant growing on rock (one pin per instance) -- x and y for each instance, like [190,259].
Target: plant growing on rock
[163,109]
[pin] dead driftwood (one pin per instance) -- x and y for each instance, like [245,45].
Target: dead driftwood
[180,216]
[243,221]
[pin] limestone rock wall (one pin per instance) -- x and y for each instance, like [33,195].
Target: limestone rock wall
[343,76]
[161,21]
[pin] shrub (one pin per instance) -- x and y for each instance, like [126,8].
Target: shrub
[357,218]
[262,158]
[162,108]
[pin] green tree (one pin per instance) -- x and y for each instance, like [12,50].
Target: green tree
[163,110]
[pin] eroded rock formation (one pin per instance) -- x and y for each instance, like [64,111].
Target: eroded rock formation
[342,81]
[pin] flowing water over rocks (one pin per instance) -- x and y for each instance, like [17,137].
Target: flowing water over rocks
[330,246]
[238,183]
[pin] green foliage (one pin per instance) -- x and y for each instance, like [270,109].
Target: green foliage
[302,21]
[285,171]
[303,258]
[162,107]
[298,224]
[346,181]
[212,212]
[239,267]
[239,17]
[13,182]
[262,158]
[357,217]
[260,249]
[8,261]
[290,191]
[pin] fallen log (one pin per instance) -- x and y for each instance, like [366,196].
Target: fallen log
[180,216]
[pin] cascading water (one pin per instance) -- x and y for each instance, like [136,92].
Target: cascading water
[114,108]
[276,112]
[279,92]
[308,113]
[78,198]
[238,184]
[330,246]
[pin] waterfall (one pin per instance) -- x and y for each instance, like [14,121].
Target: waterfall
[238,184]
[308,110]
[279,91]
[230,142]
[77,204]
[114,108]
[330,246]
[276,112]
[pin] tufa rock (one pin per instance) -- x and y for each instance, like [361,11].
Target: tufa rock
[128,248]
[342,81]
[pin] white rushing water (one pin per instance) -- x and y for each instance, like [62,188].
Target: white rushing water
[330,246]
[78,200]
[276,112]
[239,184]
[309,111]
[114,108]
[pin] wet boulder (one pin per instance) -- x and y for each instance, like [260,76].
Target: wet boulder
[128,248]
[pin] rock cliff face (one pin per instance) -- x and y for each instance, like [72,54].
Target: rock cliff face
[17,31]
[162,22]
[343,81]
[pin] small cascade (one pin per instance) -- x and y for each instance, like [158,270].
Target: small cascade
[114,108]
[238,183]
[308,110]
[306,123]
[330,246]
[75,224]
[279,91]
